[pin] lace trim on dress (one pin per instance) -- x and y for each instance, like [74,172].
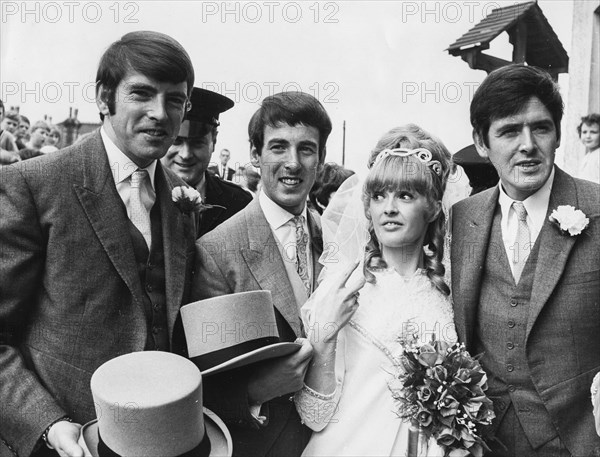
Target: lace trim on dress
[316,410]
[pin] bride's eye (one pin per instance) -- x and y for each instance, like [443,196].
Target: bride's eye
[377,196]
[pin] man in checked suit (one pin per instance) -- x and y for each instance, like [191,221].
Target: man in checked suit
[96,257]
[526,293]
[272,244]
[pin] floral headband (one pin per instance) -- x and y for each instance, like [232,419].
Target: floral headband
[422,154]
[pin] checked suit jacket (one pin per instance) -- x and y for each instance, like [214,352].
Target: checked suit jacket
[242,255]
[564,306]
[70,292]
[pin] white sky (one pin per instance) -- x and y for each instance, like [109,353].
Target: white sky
[375,64]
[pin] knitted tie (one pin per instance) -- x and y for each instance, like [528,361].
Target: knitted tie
[301,243]
[523,241]
[139,214]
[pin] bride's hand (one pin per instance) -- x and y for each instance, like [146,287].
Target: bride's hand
[336,300]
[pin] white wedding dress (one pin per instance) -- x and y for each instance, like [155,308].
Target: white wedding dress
[359,419]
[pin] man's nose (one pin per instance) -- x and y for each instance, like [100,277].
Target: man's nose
[292,159]
[184,151]
[157,108]
[526,141]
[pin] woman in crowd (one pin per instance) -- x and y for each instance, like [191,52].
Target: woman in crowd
[346,399]
[589,134]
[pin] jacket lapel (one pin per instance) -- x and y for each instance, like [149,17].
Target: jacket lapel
[106,213]
[554,247]
[468,254]
[266,265]
[174,244]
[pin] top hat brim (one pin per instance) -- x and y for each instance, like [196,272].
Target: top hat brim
[258,355]
[221,444]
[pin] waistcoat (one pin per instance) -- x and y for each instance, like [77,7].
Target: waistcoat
[151,270]
[501,336]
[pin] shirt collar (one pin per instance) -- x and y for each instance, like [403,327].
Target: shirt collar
[121,166]
[276,216]
[536,204]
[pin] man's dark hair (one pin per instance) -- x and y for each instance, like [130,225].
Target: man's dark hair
[590,119]
[153,54]
[291,108]
[506,91]
[25,119]
[329,179]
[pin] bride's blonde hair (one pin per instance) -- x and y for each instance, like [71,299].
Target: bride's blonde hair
[409,173]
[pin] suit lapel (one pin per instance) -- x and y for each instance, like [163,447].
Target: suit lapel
[554,247]
[106,213]
[174,244]
[470,250]
[266,265]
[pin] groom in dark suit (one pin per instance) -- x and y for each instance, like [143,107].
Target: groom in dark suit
[526,293]
[96,257]
[273,244]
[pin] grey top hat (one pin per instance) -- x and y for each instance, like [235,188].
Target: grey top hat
[232,331]
[150,404]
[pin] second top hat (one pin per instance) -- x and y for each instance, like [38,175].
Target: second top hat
[232,331]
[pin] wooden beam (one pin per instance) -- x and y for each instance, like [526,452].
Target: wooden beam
[519,33]
[477,60]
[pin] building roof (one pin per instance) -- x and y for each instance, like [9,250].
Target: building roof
[543,48]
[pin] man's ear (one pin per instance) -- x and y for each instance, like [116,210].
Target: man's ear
[254,157]
[482,149]
[102,97]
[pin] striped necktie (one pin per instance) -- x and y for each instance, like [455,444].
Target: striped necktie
[523,241]
[301,258]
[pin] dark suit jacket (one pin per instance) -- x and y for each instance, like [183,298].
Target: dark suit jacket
[70,292]
[242,255]
[214,170]
[565,301]
[230,196]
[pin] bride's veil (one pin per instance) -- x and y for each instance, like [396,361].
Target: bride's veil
[344,225]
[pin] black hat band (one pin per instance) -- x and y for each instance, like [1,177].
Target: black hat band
[212,359]
[202,450]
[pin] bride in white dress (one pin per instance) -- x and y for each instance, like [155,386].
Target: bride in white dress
[354,325]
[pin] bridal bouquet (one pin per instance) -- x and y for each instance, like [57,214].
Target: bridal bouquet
[440,388]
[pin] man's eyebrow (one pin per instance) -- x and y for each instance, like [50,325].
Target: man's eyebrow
[510,125]
[278,140]
[310,142]
[141,86]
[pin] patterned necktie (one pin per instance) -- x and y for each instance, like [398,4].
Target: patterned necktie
[523,241]
[139,214]
[301,244]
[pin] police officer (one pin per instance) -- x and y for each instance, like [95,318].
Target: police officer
[190,154]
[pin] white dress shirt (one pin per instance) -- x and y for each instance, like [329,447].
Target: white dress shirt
[283,227]
[537,208]
[122,167]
